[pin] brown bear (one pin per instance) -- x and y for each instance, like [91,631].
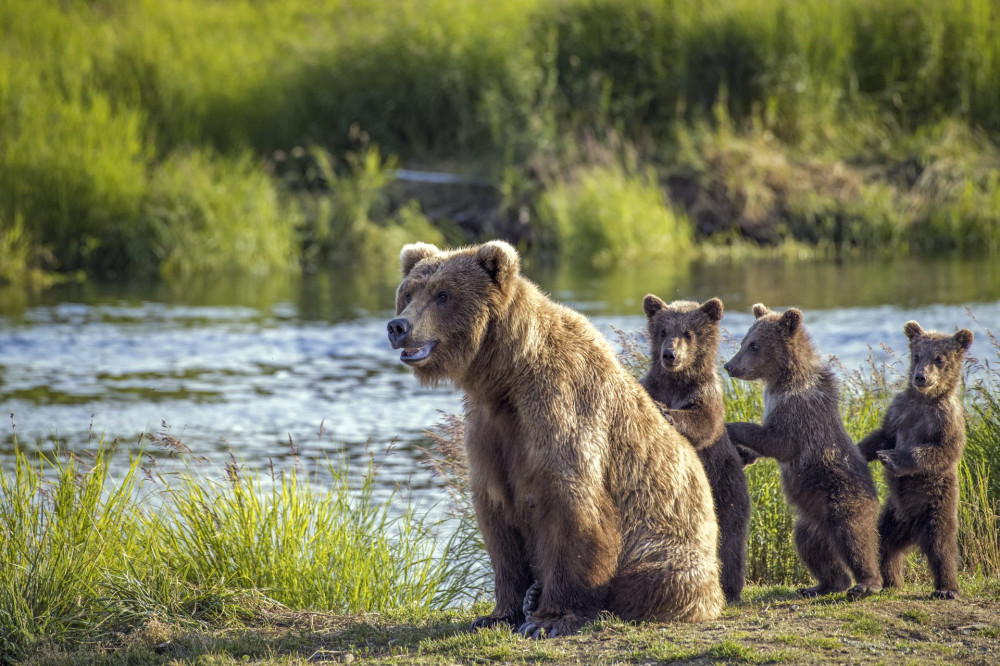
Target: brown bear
[823,474]
[684,378]
[587,499]
[919,444]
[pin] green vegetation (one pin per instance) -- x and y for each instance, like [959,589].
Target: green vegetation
[782,629]
[162,138]
[84,555]
[174,559]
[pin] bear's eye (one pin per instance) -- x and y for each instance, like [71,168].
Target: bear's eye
[442,297]
[939,361]
[408,297]
[688,335]
[754,346]
[916,359]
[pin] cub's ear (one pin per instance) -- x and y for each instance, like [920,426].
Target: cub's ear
[713,308]
[413,253]
[912,329]
[964,338]
[791,319]
[500,260]
[759,310]
[652,304]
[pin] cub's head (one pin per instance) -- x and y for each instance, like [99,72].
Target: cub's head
[684,336]
[936,358]
[774,342]
[445,302]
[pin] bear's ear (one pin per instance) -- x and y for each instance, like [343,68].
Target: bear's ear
[912,329]
[759,310]
[713,308]
[413,253]
[791,319]
[500,260]
[652,304]
[964,338]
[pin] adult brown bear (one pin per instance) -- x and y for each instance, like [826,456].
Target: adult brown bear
[583,492]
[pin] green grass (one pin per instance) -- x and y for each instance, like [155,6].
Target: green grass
[145,138]
[85,554]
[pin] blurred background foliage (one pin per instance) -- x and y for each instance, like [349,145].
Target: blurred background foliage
[148,138]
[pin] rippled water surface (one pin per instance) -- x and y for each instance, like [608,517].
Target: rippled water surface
[252,365]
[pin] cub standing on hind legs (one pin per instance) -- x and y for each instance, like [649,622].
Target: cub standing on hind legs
[822,473]
[684,377]
[919,444]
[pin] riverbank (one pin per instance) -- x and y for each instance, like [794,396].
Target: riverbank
[772,625]
[141,139]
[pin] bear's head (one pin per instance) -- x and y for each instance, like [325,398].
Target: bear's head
[445,302]
[683,335]
[936,358]
[774,344]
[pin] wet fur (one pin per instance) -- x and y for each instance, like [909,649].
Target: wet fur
[578,481]
[919,444]
[822,473]
[684,378]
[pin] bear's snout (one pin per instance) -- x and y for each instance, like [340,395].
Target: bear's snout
[399,330]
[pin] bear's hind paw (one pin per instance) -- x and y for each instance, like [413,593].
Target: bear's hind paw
[944,594]
[487,621]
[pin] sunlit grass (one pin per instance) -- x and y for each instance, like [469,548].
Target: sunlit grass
[85,552]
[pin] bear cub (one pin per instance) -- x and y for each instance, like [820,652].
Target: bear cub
[919,445]
[823,474]
[684,378]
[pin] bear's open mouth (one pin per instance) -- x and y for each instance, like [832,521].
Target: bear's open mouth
[414,354]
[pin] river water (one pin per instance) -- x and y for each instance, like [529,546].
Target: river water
[251,365]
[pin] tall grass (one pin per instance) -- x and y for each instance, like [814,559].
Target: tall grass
[609,217]
[84,553]
[103,102]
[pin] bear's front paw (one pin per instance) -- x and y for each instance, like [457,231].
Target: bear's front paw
[487,621]
[861,591]
[530,603]
[665,411]
[944,594]
[747,456]
[888,460]
[549,626]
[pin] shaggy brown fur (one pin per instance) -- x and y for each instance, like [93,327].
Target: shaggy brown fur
[919,444]
[684,378]
[578,481]
[822,472]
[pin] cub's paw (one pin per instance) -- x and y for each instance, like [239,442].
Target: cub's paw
[485,622]
[944,594]
[531,597]
[861,591]
[747,456]
[549,626]
[817,591]
[888,461]
[665,411]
